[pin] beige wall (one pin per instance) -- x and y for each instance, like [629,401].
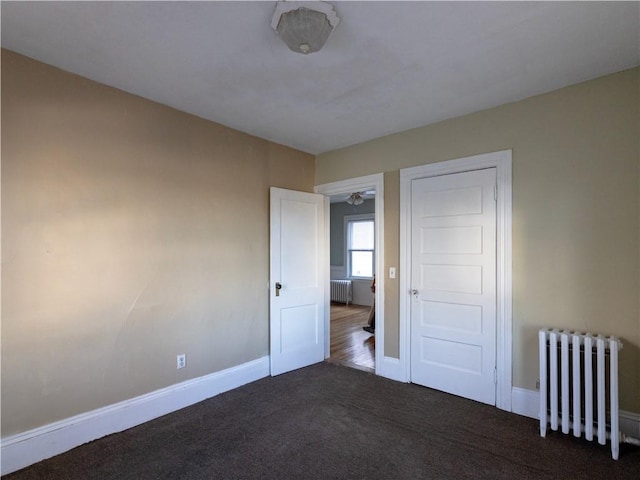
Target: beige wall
[131,232]
[576,210]
[127,227]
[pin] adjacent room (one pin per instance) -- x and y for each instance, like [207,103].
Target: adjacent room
[352,287]
[231,249]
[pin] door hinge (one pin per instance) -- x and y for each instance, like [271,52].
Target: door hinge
[495,192]
[495,375]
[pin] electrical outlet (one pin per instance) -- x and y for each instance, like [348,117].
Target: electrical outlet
[182,360]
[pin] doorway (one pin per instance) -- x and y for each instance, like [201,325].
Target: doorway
[349,320]
[352,270]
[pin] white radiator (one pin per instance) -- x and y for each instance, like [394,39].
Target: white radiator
[575,384]
[341,291]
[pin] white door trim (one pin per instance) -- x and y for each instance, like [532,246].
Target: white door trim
[369,182]
[504,322]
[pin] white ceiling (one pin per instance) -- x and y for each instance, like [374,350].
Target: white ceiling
[388,67]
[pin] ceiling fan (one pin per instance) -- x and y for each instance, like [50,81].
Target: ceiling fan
[356,198]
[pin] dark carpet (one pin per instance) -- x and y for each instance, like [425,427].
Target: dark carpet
[332,422]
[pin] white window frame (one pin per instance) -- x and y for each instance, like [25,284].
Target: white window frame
[347,241]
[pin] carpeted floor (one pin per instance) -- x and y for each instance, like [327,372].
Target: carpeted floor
[332,422]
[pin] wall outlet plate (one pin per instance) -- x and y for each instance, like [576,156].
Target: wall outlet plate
[182,360]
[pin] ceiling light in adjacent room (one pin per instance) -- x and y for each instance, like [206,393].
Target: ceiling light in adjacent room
[304,26]
[355,199]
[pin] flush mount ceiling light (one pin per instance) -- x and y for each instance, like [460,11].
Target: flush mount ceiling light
[304,26]
[355,199]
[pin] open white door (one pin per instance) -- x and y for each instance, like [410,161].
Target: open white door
[297,282]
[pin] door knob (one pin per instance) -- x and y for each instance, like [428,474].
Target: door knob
[414,292]
[278,288]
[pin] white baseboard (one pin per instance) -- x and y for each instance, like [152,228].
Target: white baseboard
[527,403]
[630,424]
[392,369]
[24,449]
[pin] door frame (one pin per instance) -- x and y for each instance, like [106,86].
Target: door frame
[368,182]
[501,160]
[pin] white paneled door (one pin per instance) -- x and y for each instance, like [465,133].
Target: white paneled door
[296,280]
[453,283]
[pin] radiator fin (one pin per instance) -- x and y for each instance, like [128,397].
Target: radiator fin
[574,387]
[342,291]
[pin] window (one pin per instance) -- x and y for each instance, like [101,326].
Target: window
[360,245]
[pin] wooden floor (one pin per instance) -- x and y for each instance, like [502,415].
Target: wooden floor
[350,345]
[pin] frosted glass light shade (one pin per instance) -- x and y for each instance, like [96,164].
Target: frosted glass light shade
[304,26]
